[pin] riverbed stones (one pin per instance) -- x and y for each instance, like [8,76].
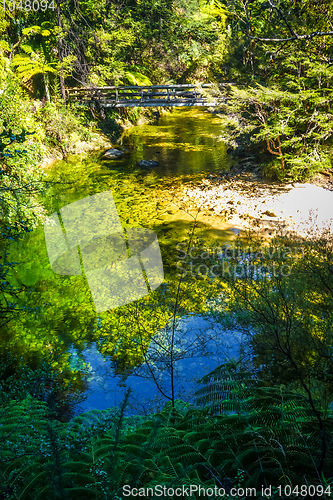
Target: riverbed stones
[113,153]
[148,163]
[269,213]
[242,203]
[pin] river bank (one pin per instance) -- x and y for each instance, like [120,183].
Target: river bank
[238,197]
[245,200]
[104,131]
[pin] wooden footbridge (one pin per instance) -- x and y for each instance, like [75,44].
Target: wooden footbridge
[152,96]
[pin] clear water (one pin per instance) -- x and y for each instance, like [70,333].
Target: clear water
[187,144]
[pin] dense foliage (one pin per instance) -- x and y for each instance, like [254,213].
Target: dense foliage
[279,54]
[111,43]
[287,53]
[241,435]
[262,421]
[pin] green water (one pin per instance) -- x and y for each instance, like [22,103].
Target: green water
[187,145]
[57,311]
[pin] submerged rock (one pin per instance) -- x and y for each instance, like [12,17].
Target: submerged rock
[113,153]
[148,163]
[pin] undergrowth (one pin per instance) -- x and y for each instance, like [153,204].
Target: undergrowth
[240,434]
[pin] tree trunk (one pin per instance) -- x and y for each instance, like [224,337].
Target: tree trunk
[46,84]
[60,51]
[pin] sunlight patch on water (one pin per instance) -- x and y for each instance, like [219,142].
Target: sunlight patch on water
[306,200]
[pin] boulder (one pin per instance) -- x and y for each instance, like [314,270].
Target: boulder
[113,153]
[147,163]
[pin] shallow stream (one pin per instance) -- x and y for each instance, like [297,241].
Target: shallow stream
[187,144]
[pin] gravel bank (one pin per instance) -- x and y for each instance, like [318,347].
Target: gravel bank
[245,201]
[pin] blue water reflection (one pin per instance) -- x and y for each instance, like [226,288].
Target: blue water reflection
[199,347]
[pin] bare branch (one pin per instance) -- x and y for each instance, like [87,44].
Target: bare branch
[296,37]
[283,17]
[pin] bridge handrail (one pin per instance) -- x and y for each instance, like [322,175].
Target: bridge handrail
[181,94]
[136,87]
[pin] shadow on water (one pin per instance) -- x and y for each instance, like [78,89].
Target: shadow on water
[185,143]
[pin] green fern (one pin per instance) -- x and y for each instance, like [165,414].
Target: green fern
[270,434]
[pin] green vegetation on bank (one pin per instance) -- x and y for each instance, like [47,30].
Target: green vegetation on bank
[285,98]
[239,437]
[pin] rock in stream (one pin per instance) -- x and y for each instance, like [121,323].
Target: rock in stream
[113,153]
[148,163]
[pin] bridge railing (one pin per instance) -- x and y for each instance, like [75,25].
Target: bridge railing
[158,95]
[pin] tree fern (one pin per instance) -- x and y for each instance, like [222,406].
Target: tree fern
[269,427]
[33,63]
[240,432]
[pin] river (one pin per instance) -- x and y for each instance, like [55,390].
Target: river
[95,351]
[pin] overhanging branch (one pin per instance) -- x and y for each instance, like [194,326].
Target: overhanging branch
[296,37]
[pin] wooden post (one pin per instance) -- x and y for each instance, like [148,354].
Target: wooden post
[141,95]
[168,95]
[117,98]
